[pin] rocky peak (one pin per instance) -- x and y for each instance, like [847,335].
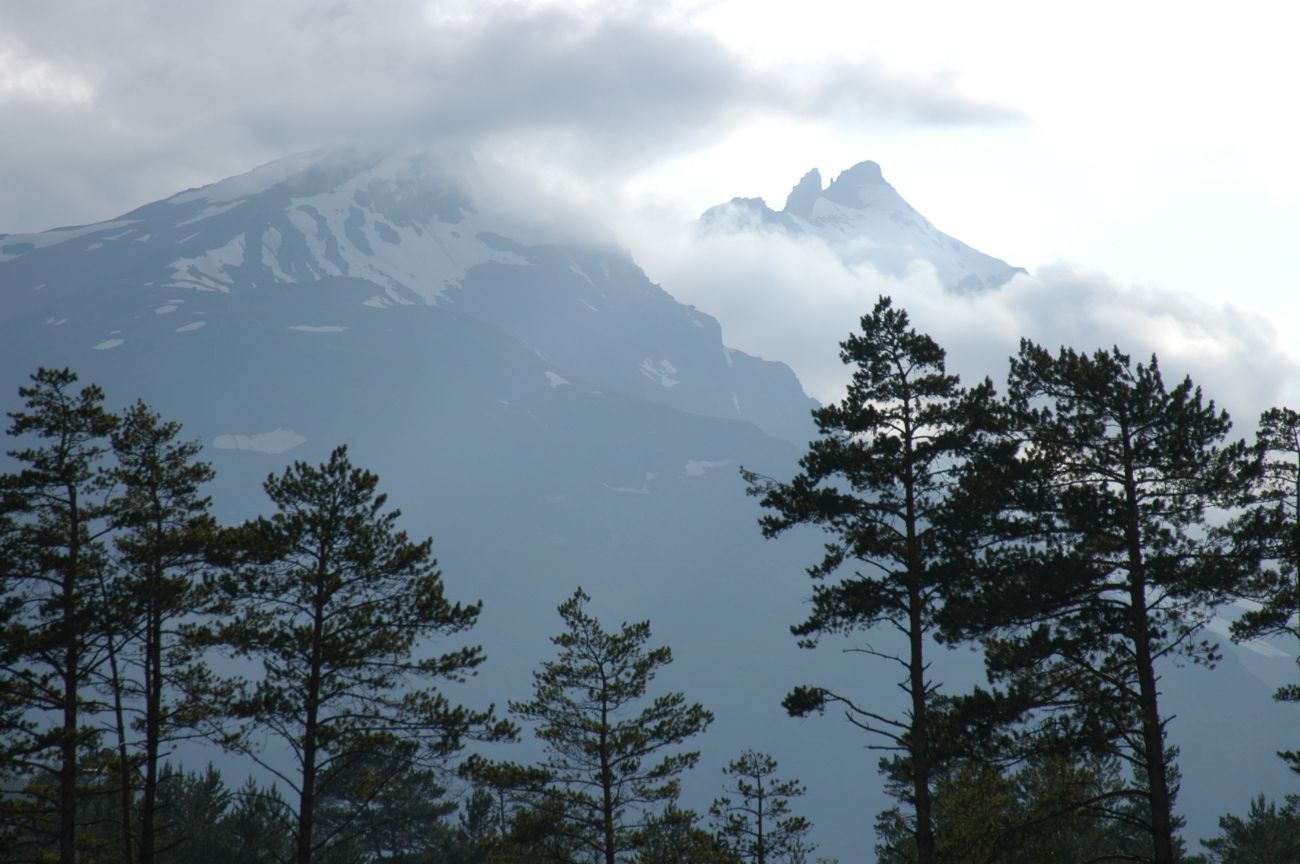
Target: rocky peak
[804,195]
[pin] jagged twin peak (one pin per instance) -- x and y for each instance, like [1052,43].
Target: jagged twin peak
[863,219]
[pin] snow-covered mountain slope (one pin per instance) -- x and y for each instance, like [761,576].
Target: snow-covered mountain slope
[399,226]
[864,220]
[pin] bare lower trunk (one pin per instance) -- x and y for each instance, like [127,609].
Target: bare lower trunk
[1153,743]
[68,764]
[153,727]
[125,790]
[920,743]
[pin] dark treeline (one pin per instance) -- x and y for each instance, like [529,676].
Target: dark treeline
[1079,529]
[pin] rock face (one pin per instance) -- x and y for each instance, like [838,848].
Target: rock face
[864,220]
[546,413]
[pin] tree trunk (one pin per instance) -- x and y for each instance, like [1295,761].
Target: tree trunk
[152,733]
[606,782]
[1153,736]
[307,803]
[920,738]
[68,763]
[919,749]
[125,790]
[71,690]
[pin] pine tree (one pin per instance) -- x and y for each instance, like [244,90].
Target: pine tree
[879,481]
[605,771]
[753,818]
[674,837]
[334,603]
[1269,532]
[383,805]
[192,809]
[1115,569]
[1049,808]
[1268,834]
[54,643]
[260,825]
[163,533]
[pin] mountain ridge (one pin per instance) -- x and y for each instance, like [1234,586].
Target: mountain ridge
[864,220]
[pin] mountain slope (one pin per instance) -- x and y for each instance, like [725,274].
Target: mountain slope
[400,227]
[863,219]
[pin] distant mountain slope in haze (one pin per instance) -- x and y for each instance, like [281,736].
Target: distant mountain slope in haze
[863,219]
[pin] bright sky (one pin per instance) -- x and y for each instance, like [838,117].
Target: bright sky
[1152,143]
[1158,141]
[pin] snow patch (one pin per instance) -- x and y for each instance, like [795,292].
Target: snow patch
[56,322]
[107,344]
[21,244]
[1221,627]
[421,259]
[208,271]
[662,372]
[700,467]
[190,327]
[271,443]
[588,305]
[207,212]
[574,268]
[271,240]
[505,257]
[165,310]
[556,380]
[311,232]
[643,489]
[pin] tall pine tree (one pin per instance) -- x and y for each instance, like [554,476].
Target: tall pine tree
[163,534]
[612,756]
[878,481]
[1114,569]
[55,641]
[1268,531]
[753,817]
[336,607]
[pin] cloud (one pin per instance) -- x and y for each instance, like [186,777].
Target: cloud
[792,298]
[125,103]
[26,78]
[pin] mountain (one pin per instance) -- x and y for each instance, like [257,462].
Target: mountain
[863,219]
[395,231]
[547,414]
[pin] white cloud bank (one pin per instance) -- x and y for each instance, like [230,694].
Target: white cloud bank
[792,299]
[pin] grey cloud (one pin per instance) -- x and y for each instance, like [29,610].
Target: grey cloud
[186,92]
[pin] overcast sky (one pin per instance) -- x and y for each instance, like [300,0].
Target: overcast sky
[1152,145]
